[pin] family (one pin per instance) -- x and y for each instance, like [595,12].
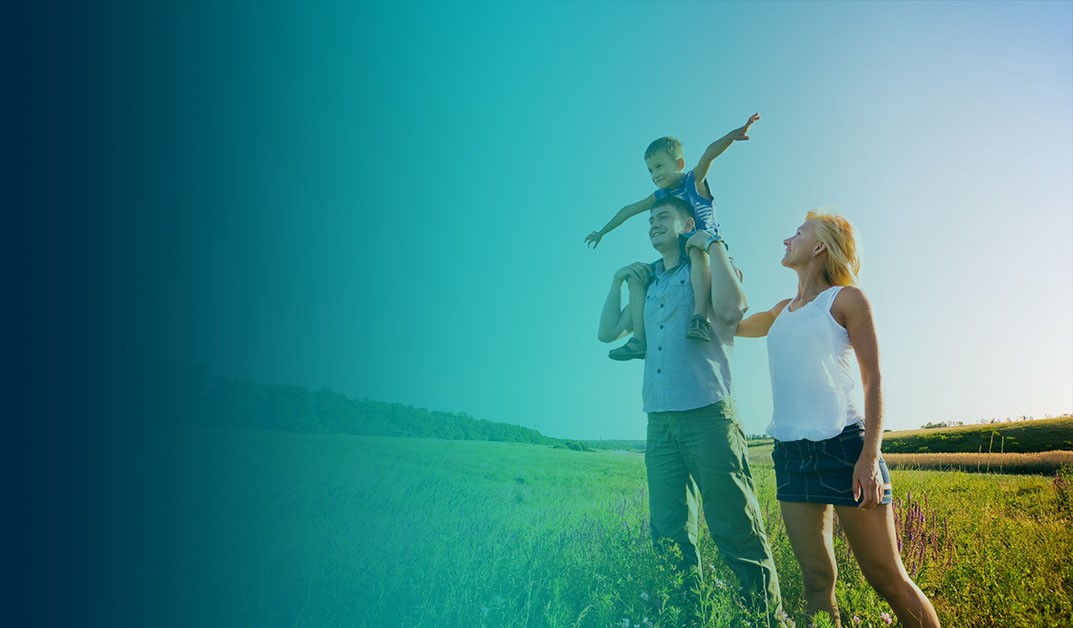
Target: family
[684,311]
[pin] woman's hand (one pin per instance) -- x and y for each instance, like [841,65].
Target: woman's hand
[867,482]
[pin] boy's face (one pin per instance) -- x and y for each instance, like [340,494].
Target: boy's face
[665,170]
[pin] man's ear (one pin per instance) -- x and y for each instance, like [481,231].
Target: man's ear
[680,162]
[691,224]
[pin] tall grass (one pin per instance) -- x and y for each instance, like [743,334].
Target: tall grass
[323,530]
[1047,463]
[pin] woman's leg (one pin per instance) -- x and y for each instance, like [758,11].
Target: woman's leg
[810,529]
[871,536]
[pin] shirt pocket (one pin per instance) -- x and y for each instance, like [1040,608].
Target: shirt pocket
[679,294]
[667,298]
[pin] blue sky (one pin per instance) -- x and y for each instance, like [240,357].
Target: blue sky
[394,206]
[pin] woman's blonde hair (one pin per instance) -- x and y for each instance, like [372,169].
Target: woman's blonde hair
[838,235]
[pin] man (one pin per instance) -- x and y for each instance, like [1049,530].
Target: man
[695,442]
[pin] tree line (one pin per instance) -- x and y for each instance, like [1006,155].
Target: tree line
[242,404]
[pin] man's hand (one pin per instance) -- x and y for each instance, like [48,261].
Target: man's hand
[638,271]
[743,132]
[593,239]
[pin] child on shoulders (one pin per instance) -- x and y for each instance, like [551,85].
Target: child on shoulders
[665,160]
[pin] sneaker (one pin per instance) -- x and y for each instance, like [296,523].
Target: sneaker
[633,349]
[699,329]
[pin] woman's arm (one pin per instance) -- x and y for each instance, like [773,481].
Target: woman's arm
[852,310]
[758,325]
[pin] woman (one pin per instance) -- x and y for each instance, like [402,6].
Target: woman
[826,453]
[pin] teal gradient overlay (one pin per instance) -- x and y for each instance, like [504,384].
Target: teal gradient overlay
[391,203]
[394,207]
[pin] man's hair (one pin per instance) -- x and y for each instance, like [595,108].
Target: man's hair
[669,145]
[682,206]
[843,259]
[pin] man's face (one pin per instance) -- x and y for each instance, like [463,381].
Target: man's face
[665,224]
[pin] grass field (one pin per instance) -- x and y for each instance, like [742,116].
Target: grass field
[331,530]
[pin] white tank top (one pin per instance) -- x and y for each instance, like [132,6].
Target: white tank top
[812,381]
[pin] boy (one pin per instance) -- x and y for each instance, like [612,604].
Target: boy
[665,161]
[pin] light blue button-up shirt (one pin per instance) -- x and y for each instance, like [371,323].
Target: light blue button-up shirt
[681,374]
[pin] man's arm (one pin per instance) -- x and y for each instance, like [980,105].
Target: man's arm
[624,214]
[616,321]
[719,146]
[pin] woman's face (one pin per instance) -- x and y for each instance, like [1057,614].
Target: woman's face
[801,246]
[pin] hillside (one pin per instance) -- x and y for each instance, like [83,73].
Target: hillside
[246,405]
[1020,437]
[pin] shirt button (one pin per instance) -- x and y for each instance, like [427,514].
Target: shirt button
[659,370]
[661,326]
[661,305]
[682,281]
[659,348]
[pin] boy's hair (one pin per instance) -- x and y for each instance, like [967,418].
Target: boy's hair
[843,260]
[682,206]
[669,145]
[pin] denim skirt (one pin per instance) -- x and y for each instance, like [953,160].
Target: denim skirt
[821,472]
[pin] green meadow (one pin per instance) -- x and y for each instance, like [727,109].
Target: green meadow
[1037,435]
[342,530]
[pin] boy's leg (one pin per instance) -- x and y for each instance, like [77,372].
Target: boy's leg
[701,279]
[635,347]
[637,308]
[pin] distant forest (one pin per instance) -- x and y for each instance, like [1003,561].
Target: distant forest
[242,404]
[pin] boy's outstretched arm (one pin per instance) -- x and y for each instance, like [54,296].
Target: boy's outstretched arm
[627,212]
[719,146]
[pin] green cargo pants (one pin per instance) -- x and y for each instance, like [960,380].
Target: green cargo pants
[704,450]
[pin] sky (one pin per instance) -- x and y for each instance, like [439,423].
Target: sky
[394,206]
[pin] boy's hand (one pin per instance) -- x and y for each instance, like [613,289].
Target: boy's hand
[593,239]
[743,132]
